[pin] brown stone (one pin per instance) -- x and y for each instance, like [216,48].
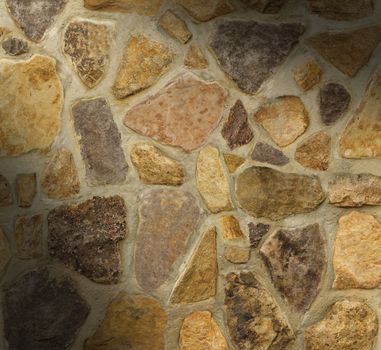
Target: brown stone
[167,218]
[334,102]
[15,46]
[230,228]
[265,153]
[28,235]
[236,254]
[206,10]
[233,162]
[5,254]
[6,198]
[342,10]
[257,232]
[175,26]
[141,7]
[195,58]
[26,189]
[183,113]
[265,6]
[199,280]
[308,75]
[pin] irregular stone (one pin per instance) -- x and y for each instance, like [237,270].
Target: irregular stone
[199,279]
[35,16]
[308,75]
[141,7]
[26,188]
[42,311]
[212,182]
[357,252]
[254,319]
[85,237]
[6,198]
[206,10]
[144,61]
[5,254]
[199,331]
[249,57]
[136,323]
[334,102]
[167,218]
[265,192]
[154,167]
[233,162]
[15,46]
[60,178]
[175,26]
[100,142]
[347,51]
[236,254]
[236,130]
[256,233]
[265,153]
[195,58]
[230,228]
[32,97]
[284,118]
[265,6]
[183,113]
[348,325]
[342,11]
[28,234]
[296,259]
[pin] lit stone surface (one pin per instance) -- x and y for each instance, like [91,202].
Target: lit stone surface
[206,10]
[233,162]
[236,254]
[5,254]
[140,7]
[6,198]
[334,102]
[175,26]
[195,58]
[26,189]
[308,75]
[342,10]
[28,234]
[231,228]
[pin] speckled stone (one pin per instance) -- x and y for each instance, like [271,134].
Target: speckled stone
[265,6]
[265,153]
[175,26]
[5,254]
[342,10]
[6,198]
[195,58]
[26,189]
[257,232]
[28,235]
[233,162]
[308,74]
[206,10]
[237,254]
[140,7]
[15,46]
[231,229]
[334,102]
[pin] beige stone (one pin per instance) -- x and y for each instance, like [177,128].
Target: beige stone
[308,75]
[28,234]
[5,254]
[141,7]
[32,96]
[204,11]
[236,254]
[195,58]
[230,228]
[26,189]
[175,26]
[233,162]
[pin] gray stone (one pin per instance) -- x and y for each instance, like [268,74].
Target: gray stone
[5,192]
[256,233]
[340,10]
[265,153]
[265,6]
[334,102]
[15,46]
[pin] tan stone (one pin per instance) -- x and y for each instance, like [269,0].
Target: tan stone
[5,255]
[285,119]
[199,280]
[32,96]
[230,228]
[199,331]
[308,75]
[141,7]
[28,234]
[175,26]
[236,254]
[233,162]
[212,181]
[204,11]
[144,62]
[195,58]
[154,167]
[26,189]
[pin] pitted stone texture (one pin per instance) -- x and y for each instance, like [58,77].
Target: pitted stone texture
[347,51]
[26,189]
[28,235]
[167,218]
[6,198]
[212,182]
[15,46]
[140,7]
[5,254]
[154,167]
[248,56]
[254,319]
[175,26]
[308,75]
[230,228]
[35,16]
[284,118]
[342,10]
[236,130]
[136,323]
[357,253]
[32,98]
[348,325]
[87,45]
[195,58]
[257,232]
[334,102]
[265,6]
[183,113]
[144,61]
[265,153]
[199,331]
[206,10]
[100,142]
[236,254]
[265,192]
[85,237]
[233,162]
[42,311]
[199,280]
[296,260]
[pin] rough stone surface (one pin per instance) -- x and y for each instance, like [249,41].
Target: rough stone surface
[5,254]
[308,75]
[136,323]
[26,189]
[284,118]
[236,254]
[206,10]
[6,198]
[15,46]
[154,167]
[296,260]
[348,325]
[28,235]
[175,26]
[32,97]
[257,232]
[230,228]
[334,102]
[144,61]
[141,7]
[199,280]
[100,142]
[183,113]
[42,311]
[265,6]
[212,181]
[195,58]
[254,319]
[233,162]
[167,218]
[265,153]
[265,192]
[85,237]
[248,56]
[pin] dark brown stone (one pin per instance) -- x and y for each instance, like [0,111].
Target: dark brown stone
[265,153]
[334,102]
[5,192]
[340,10]
[265,6]
[256,233]
[15,46]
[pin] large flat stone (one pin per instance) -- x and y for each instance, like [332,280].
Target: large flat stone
[6,198]
[140,7]
[28,236]
[342,10]
[334,102]
[206,10]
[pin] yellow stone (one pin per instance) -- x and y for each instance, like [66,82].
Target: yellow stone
[236,254]
[194,58]
[141,7]
[233,162]
[308,75]
[230,228]
[175,26]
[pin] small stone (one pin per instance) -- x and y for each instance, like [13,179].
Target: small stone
[256,233]
[266,192]
[236,130]
[348,325]
[43,311]
[254,319]
[28,234]
[183,113]
[26,189]
[357,252]
[144,62]
[284,118]
[212,182]
[6,198]
[265,6]
[334,102]
[230,228]
[199,280]
[206,10]
[136,323]
[167,218]
[233,162]
[308,75]
[60,178]
[100,141]
[342,11]
[236,254]
[265,153]
[15,46]
[195,58]
[5,254]
[175,26]
[85,237]
[141,7]
[199,331]
[154,167]
[296,259]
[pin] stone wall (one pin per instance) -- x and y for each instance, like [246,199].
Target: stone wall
[190,174]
